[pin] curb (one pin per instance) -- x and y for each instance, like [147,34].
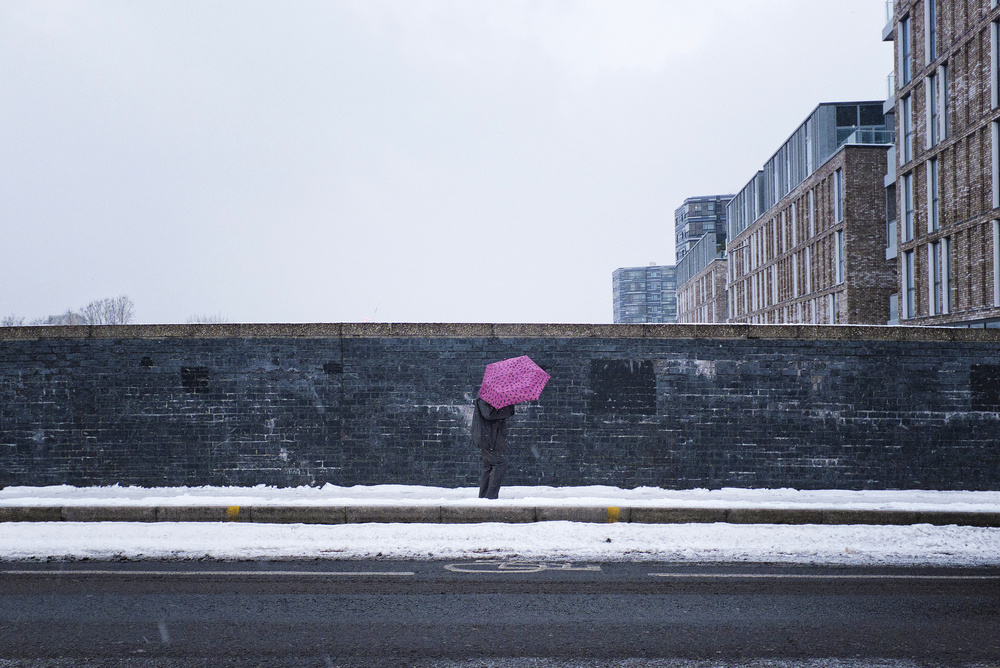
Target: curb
[481,514]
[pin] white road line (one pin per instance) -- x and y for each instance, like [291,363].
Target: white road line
[811,576]
[258,574]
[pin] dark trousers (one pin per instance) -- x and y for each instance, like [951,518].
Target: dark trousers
[494,468]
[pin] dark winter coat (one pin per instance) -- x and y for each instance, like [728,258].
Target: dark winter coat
[489,426]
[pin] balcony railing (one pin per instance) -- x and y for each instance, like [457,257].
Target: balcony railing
[888,11]
[890,86]
[868,136]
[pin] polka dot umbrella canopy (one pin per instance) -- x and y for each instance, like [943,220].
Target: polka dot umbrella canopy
[512,381]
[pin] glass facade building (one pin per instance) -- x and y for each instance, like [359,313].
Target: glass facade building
[829,127]
[699,216]
[645,294]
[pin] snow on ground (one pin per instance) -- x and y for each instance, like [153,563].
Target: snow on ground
[549,541]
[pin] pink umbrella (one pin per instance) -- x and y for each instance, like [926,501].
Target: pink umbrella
[512,381]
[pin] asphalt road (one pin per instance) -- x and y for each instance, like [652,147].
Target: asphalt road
[324,613]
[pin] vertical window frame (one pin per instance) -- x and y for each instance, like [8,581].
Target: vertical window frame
[838,184]
[995,64]
[907,128]
[996,263]
[906,48]
[933,110]
[943,118]
[933,195]
[995,167]
[909,291]
[930,32]
[841,260]
[935,298]
[907,231]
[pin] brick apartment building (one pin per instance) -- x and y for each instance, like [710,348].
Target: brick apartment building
[947,187]
[701,283]
[806,241]
[700,225]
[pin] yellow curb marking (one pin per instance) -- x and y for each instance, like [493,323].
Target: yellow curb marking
[233,513]
[613,514]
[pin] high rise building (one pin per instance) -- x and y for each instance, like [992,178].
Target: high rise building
[699,216]
[645,294]
[806,235]
[946,190]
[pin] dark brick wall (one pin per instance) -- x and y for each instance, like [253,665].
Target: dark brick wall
[677,406]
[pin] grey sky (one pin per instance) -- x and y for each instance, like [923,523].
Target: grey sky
[392,160]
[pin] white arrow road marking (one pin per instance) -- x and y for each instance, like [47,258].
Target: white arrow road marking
[494,566]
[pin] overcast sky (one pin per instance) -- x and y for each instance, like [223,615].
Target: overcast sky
[389,160]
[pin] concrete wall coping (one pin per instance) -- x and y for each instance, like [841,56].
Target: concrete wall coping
[505,331]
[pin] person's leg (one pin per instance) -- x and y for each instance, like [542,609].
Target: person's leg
[484,478]
[494,468]
[496,477]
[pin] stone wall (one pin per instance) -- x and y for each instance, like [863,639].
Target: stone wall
[678,406]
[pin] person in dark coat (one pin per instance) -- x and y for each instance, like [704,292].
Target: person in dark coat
[489,434]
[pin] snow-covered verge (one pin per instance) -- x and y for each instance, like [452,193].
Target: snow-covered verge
[562,541]
[401,495]
[857,545]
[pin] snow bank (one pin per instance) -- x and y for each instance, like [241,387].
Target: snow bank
[568,541]
[401,495]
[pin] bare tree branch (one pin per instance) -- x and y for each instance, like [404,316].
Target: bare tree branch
[117,311]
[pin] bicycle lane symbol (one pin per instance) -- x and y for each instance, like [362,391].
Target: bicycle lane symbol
[496,566]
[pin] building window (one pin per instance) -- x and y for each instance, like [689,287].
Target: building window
[907,129]
[995,136]
[808,269]
[908,207]
[909,292]
[943,102]
[795,225]
[936,297]
[905,49]
[839,187]
[996,263]
[995,64]
[931,18]
[946,271]
[932,110]
[809,155]
[933,196]
[795,275]
[840,256]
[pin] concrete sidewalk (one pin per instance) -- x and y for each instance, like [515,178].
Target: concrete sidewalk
[464,514]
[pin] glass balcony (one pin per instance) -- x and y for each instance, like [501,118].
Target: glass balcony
[887,31]
[870,135]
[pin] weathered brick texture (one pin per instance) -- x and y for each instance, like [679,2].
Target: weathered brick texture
[678,406]
[964,152]
[783,267]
